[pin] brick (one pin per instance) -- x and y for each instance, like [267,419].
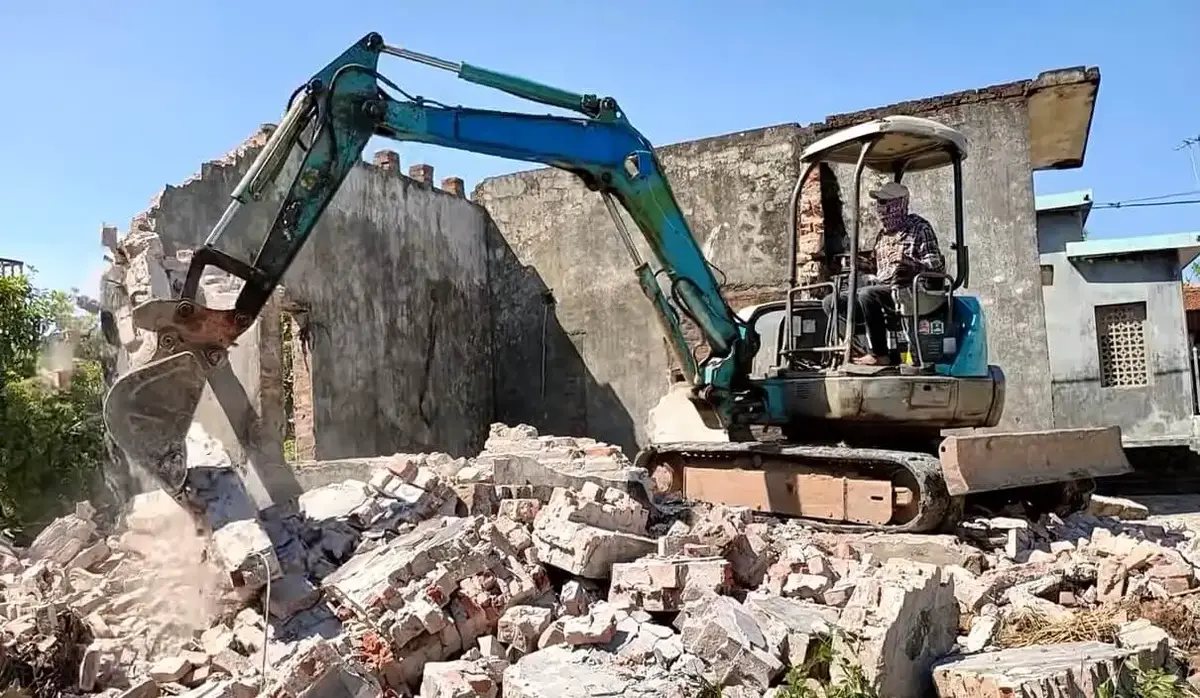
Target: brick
[422,173]
[169,669]
[521,626]
[387,160]
[657,584]
[453,185]
[1119,507]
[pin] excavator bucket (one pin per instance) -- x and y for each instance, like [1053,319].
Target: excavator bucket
[149,410]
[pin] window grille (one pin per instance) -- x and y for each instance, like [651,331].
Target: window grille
[1121,340]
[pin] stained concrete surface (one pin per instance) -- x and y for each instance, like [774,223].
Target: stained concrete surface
[733,189]
[394,283]
[393,301]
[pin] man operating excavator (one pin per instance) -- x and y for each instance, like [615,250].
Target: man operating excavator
[905,245]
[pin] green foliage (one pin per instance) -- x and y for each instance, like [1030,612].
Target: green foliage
[24,321]
[1147,683]
[812,679]
[51,435]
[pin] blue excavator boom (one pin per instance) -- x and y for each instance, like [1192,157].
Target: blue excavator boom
[330,119]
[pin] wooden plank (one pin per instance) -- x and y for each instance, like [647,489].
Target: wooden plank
[999,461]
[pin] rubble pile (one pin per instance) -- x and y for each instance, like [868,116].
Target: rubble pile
[543,568]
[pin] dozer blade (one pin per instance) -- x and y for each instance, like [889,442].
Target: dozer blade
[149,410]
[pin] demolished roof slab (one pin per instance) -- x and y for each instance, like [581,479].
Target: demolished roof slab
[1061,105]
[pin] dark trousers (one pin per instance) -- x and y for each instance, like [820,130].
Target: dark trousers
[874,303]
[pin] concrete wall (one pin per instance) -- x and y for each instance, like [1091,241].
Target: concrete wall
[1162,408]
[392,289]
[734,190]
[606,361]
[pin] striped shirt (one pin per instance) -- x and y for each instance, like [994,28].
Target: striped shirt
[916,242]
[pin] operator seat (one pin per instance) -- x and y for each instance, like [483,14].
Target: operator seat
[928,300]
[924,317]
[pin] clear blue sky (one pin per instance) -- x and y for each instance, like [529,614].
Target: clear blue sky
[107,102]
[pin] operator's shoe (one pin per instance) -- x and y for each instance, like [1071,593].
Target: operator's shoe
[872,360]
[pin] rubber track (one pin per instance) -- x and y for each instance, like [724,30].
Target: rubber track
[935,506]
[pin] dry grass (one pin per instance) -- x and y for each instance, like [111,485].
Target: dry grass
[1025,628]
[1180,618]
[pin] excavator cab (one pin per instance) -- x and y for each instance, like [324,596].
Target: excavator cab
[924,333]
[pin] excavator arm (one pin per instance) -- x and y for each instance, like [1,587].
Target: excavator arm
[148,410]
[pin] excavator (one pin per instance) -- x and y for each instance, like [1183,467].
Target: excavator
[856,448]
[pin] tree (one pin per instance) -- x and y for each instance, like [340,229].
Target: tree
[51,431]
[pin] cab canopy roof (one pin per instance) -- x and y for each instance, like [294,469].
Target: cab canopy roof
[925,144]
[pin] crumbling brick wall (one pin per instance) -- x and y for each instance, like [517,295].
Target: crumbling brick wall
[393,283]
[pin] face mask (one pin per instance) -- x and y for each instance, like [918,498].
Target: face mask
[892,213]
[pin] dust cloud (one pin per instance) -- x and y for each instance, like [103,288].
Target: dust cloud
[173,586]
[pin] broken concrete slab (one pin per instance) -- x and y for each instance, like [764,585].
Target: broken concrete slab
[902,619]
[247,553]
[62,539]
[317,670]
[1151,643]
[727,637]
[929,549]
[169,669]
[1076,668]
[559,672]
[1118,507]
[517,458]
[477,678]
[982,462]
[790,625]
[292,594]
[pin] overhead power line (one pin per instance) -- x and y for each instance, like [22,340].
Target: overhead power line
[1140,204]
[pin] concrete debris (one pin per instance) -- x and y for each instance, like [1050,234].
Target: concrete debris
[518,456]
[541,567]
[725,635]
[521,626]
[665,584]
[559,672]
[481,677]
[901,620]
[1045,671]
[432,592]
[1119,507]
[1151,643]
[586,532]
